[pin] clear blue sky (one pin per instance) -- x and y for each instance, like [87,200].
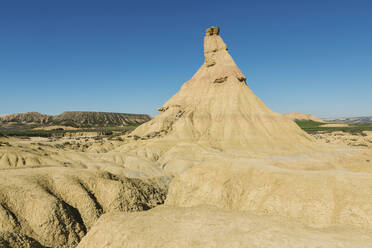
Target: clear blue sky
[131,56]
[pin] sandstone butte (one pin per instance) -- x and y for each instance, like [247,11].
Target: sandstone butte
[244,176]
[234,173]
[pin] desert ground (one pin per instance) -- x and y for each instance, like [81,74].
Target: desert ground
[216,168]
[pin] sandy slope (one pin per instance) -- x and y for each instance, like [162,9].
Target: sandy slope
[208,227]
[315,197]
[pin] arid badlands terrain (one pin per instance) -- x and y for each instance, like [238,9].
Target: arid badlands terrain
[216,168]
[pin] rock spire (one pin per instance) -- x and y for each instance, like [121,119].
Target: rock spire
[217,108]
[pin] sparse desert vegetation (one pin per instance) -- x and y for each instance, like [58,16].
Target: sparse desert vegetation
[313,127]
[105,131]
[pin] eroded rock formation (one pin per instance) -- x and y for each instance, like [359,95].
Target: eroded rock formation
[272,185]
[79,119]
[55,207]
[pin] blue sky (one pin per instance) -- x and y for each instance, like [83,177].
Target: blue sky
[131,56]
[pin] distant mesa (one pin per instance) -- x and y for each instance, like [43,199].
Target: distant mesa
[78,119]
[102,119]
[346,120]
[28,117]
[350,120]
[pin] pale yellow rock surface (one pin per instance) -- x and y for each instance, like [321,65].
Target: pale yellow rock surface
[216,108]
[368,133]
[53,190]
[207,227]
[57,206]
[318,198]
[74,152]
[16,240]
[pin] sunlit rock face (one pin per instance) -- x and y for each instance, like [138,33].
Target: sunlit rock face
[216,108]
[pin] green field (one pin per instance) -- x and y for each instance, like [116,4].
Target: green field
[59,132]
[314,127]
[310,127]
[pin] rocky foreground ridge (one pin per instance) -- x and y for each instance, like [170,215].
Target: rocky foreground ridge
[72,119]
